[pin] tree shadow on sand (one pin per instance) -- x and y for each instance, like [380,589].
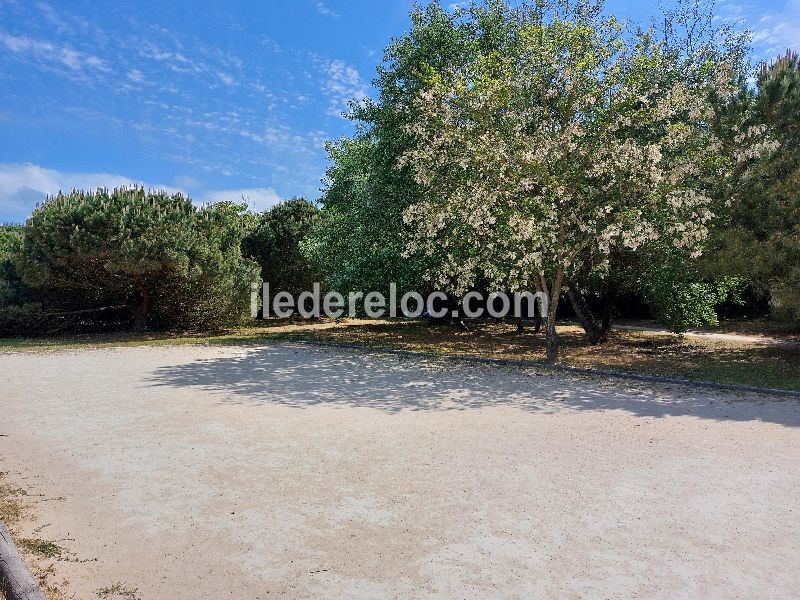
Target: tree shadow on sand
[301,376]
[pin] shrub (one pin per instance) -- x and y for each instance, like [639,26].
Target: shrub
[153,257]
[275,245]
[10,240]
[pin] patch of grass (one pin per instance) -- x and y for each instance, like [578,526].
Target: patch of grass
[670,355]
[697,359]
[118,590]
[40,547]
[11,507]
[13,511]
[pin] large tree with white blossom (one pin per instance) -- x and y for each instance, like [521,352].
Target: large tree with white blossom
[573,139]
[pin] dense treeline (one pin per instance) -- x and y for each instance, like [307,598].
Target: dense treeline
[126,258]
[274,242]
[139,259]
[544,146]
[758,237]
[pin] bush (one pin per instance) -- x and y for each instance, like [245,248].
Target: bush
[680,303]
[143,258]
[275,245]
[10,240]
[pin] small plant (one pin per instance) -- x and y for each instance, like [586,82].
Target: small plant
[118,590]
[41,547]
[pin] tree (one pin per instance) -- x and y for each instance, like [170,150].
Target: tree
[10,240]
[761,238]
[166,262]
[275,244]
[359,240]
[572,140]
[13,293]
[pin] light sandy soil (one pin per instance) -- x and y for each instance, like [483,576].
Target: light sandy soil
[288,471]
[742,338]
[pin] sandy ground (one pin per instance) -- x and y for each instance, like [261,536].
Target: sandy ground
[289,471]
[741,338]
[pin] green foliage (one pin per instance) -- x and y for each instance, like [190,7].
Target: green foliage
[15,314]
[10,240]
[680,304]
[567,140]
[762,236]
[275,242]
[149,255]
[359,240]
[677,292]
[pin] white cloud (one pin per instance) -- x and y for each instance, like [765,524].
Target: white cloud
[324,10]
[773,31]
[258,199]
[47,52]
[343,83]
[135,75]
[185,181]
[778,33]
[62,21]
[173,60]
[225,78]
[23,186]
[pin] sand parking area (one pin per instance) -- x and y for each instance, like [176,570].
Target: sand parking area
[302,472]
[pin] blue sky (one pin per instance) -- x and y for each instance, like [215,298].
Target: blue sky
[217,99]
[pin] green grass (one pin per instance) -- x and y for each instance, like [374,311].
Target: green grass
[43,548]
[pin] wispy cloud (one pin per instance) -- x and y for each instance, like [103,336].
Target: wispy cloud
[173,59]
[62,21]
[49,54]
[225,78]
[135,75]
[777,32]
[23,186]
[224,114]
[773,31]
[342,85]
[323,9]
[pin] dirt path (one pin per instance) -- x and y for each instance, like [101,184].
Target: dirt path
[741,338]
[192,472]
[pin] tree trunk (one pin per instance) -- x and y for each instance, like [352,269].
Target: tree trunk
[16,580]
[520,324]
[594,332]
[550,331]
[550,338]
[140,310]
[609,304]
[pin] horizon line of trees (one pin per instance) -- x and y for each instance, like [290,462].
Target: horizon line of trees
[546,146]
[543,146]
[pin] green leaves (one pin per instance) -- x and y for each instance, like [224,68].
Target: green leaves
[762,236]
[275,243]
[150,250]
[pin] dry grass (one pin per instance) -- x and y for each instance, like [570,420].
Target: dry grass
[708,359]
[12,505]
[642,352]
[14,509]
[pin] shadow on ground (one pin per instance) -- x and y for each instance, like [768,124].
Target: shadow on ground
[298,376]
